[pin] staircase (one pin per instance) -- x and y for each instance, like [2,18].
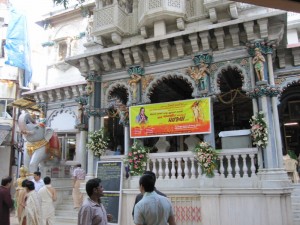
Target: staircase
[65,214]
[296,204]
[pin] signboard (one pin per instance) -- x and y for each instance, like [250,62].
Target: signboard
[170,118]
[110,173]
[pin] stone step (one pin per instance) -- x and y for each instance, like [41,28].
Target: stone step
[66,220]
[66,204]
[66,213]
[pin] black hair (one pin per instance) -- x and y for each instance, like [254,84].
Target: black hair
[78,165]
[30,185]
[24,183]
[38,173]
[148,172]
[5,181]
[91,184]
[47,180]
[147,181]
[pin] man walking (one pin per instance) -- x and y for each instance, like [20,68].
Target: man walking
[48,197]
[38,182]
[6,202]
[92,211]
[153,208]
[78,177]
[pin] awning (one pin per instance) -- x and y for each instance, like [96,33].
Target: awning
[26,103]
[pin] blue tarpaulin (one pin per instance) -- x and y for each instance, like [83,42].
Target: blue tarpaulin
[17,48]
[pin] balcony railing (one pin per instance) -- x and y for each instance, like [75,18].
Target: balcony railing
[150,10]
[232,163]
[110,19]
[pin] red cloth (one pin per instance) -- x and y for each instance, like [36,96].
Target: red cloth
[5,204]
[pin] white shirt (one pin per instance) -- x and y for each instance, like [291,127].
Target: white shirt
[38,184]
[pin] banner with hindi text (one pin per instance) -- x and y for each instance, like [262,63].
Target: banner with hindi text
[170,118]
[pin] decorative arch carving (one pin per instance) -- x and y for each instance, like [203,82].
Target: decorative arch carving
[214,78]
[56,113]
[288,82]
[154,82]
[114,86]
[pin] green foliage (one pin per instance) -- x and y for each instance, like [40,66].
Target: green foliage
[65,3]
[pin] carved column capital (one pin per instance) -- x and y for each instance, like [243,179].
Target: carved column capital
[94,63]
[67,92]
[118,59]
[281,57]
[220,35]
[127,56]
[296,56]
[194,42]
[263,27]
[106,60]
[179,43]
[248,26]
[234,32]
[165,48]
[205,39]
[137,54]
[152,51]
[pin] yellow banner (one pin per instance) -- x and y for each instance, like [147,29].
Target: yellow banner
[170,118]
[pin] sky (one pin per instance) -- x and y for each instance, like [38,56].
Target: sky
[33,9]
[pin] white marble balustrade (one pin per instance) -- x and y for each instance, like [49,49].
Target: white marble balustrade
[233,163]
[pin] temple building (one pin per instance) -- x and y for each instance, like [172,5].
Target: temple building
[109,56]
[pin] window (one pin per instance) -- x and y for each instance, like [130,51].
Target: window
[5,110]
[62,50]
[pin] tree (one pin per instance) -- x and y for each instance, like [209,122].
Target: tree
[65,3]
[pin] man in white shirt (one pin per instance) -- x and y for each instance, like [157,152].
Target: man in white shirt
[153,208]
[38,182]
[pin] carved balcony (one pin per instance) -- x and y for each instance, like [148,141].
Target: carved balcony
[111,22]
[150,11]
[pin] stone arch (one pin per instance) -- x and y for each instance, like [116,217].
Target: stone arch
[288,82]
[65,31]
[215,78]
[66,112]
[185,77]
[114,86]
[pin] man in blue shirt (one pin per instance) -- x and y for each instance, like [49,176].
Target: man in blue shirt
[153,208]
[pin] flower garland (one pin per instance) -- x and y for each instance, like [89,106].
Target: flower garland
[137,159]
[98,142]
[207,157]
[259,130]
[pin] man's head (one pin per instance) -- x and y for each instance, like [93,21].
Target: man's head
[94,187]
[6,182]
[148,172]
[47,180]
[24,183]
[29,185]
[147,183]
[37,175]
[78,165]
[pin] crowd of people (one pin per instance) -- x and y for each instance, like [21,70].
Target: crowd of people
[35,202]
